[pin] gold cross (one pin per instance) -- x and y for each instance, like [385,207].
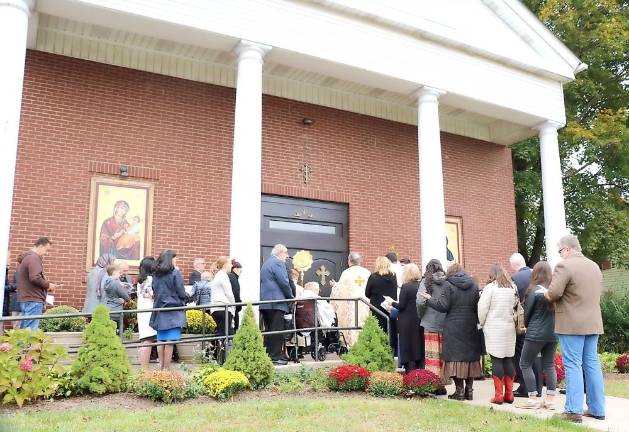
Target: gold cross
[306,172]
[359,281]
[323,272]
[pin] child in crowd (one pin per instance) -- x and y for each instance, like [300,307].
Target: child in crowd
[115,294]
[202,290]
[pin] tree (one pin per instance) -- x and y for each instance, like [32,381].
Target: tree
[594,145]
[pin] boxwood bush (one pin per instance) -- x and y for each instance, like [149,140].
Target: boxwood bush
[68,324]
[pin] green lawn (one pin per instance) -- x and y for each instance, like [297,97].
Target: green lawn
[617,385]
[296,413]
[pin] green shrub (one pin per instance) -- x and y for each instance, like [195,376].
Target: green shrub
[304,379]
[608,361]
[199,322]
[372,350]
[102,365]
[202,372]
[165,386]
[69,324]
[615,310]
[28,361]
[222,384]
[65,383]
[385,384]
[487,365]
[248,354]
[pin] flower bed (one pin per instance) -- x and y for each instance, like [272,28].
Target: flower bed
[420,382]
[223,384]
[385,384]
[348,378]
[165,386]
[622,363]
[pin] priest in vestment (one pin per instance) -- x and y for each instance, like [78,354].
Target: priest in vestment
[351,285]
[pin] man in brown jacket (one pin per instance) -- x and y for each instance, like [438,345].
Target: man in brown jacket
[32,286]
[576,291]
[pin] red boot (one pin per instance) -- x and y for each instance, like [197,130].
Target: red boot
[508,397]
[498,383]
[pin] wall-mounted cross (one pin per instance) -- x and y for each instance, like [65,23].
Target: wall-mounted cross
[323,272]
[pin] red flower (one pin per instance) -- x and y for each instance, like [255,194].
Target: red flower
[622,363]
[348,378]
[561,372]
[5,347]
[421,379]
[26,365]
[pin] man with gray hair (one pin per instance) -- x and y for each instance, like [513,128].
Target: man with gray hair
[199,267]
[275,285]
[521,275]
[351,285]
[576,292]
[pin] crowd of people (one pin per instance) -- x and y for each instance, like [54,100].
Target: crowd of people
[441,321]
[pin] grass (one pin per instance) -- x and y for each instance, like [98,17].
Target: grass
[617,385]
[349,413]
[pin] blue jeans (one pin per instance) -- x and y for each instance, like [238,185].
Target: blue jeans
[580,359]
[31,308]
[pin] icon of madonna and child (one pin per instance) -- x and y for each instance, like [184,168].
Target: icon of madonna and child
[119,235]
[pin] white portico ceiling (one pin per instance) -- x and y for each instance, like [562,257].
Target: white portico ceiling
[339,54]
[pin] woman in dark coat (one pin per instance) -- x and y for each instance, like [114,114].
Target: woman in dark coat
[168,291]
[382,282]
[461,337]
[411,334]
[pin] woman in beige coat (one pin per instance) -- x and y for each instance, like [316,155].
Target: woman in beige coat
[495,315]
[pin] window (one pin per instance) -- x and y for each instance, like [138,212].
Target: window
[302,227]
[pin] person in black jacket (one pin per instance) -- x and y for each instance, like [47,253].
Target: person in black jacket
[540,337]
[233,275]
[461,338]
[411,333]
[382,282]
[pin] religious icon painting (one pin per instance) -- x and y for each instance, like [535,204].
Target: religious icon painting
[120,220]
[454,239]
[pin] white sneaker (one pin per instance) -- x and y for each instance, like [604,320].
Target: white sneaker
[529,404]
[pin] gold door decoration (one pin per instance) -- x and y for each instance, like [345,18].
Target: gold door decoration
[302,261]
[454,239]
[322,272]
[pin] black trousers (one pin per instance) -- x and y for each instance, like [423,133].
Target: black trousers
[537,368]
[219,318]
[273,321]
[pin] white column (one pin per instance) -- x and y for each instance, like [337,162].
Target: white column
[13,32]
[554,212]
[432,216]
[244,232]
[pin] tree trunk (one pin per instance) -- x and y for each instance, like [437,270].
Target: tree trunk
[538,242]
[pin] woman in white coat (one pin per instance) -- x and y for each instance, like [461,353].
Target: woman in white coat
[495,314]
[222,294]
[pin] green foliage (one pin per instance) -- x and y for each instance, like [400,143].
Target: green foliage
[303,380]
[372,350]
[615,311]
[608,361]
[28,361]
[102,365]
[199,322]
[130,320]
[69,324]
[593,145]
[223,384]
[165,386]
[385,384]
[207,368]
[65,383]
[248,354]
[487,365]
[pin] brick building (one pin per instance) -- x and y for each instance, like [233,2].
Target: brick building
[240,144]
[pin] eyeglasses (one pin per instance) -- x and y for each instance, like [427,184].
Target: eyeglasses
[562,249]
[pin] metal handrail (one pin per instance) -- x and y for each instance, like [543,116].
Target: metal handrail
[226,336]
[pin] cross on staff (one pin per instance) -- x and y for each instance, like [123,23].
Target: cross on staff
[323,273]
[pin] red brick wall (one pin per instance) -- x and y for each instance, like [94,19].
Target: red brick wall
[75,112]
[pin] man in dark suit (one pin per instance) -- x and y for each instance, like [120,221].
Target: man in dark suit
[275,285]
[199,267]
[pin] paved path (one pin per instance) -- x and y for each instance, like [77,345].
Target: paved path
[616,418]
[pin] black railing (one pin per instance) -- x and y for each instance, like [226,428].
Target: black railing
[208,337]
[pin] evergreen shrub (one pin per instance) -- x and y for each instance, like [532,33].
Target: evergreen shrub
[372,349]
[615,311]
[102,365]
[248,354]
[69,324]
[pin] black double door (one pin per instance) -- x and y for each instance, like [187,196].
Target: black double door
[316,226]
